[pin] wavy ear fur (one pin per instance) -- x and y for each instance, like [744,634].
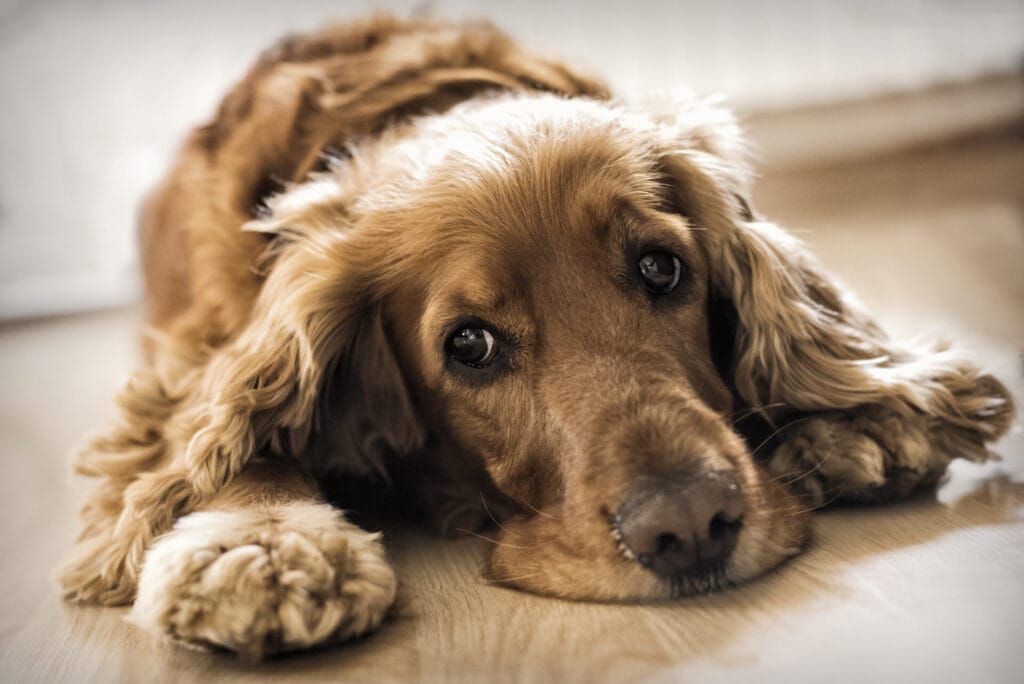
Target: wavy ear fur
[312,334]
[314,357]
[802,341]
[262,390]
[369,414]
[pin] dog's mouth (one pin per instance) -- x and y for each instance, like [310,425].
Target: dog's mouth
[683,529]
[682,580]
[695,584]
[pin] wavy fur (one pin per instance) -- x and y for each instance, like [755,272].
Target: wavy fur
[357,193]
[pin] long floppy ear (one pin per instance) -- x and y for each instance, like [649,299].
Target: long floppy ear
[803,342]
[314,344]
[369,414]
[311,335]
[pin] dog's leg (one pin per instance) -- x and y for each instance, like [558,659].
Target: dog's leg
[874,453]
[264,567]
[869,454]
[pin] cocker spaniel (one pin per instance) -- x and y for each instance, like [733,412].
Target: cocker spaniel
[416,255]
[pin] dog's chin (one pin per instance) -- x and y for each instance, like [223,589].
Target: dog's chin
[622,580]
[555,570]
[534,555]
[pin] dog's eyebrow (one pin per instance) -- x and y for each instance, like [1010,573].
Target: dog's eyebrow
[462,309]
[635,223]
[609,216]
[603,229]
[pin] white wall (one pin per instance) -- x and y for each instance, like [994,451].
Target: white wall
[95,94]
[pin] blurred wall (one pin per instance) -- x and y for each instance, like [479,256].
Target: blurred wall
[96,94]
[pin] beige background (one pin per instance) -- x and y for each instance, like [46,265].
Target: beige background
[96,94]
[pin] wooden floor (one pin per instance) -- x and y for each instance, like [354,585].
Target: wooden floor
[926,591]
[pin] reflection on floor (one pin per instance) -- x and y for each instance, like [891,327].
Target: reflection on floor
[929,590]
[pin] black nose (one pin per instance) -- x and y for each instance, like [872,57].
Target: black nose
[679,526]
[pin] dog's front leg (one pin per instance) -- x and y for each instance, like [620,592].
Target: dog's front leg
[867,454]
[265,567]
[874,453]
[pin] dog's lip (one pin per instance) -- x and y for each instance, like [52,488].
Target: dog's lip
[620,544]
[691,583]
[706,581]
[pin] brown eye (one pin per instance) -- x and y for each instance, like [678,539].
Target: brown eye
[660,271]
[473,347]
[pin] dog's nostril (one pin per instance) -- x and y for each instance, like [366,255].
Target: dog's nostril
[721,527]
[666,543]
[673,527]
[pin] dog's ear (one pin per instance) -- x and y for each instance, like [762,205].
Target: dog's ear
[723,326]
[369,414]
[801,340]
[315,344]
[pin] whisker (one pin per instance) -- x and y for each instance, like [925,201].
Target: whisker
[754,409]
[797,478]
[818,465]
[839,493]
[537,510]
[494,519]
[788,510]
[505,580]
[493,541]
[769,437]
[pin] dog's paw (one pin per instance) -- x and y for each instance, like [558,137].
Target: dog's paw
[870,454]
[264,581]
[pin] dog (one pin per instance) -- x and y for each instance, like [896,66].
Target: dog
[415,254]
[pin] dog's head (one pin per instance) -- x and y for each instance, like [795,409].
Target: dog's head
[575,296]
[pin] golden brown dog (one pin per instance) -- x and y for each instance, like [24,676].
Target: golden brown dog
[417,254]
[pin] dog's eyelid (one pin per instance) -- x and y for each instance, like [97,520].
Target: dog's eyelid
[453,324]
[639,244]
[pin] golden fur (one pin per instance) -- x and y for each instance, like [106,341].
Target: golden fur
[359,192]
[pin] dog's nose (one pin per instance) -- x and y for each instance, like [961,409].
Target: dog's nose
[678,526]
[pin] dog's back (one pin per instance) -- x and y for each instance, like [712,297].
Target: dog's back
[309,96]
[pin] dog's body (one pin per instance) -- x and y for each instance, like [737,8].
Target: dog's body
[525,300]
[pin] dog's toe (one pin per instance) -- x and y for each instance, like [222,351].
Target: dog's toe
[261,582]
[871,455]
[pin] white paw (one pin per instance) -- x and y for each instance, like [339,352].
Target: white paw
[259,582]
[870,454]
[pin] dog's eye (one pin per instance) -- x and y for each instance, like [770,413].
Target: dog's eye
[473,347]
[660,271]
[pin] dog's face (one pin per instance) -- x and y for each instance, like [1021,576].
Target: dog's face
[543,283]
